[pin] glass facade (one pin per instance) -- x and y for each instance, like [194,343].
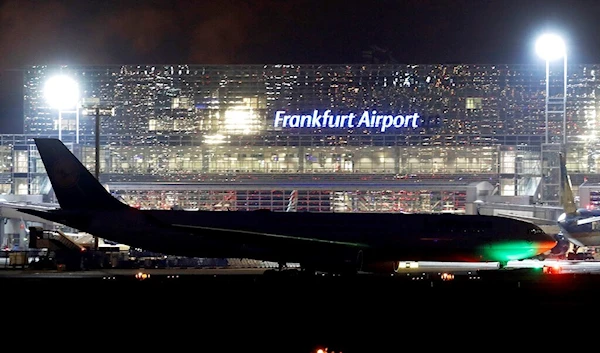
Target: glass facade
[276,124]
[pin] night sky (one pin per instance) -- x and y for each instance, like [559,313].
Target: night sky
[90,32]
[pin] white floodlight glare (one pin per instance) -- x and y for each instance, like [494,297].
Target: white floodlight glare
[62,92]
[550,47]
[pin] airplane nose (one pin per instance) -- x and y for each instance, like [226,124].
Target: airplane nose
[546,245]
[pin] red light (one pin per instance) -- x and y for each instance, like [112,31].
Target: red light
[553,269]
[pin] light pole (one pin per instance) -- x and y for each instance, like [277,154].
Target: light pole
[551,47]
[62,93]
[93,106]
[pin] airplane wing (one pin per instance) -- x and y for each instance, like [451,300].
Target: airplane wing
[534,220]
[260,237]
[588,220]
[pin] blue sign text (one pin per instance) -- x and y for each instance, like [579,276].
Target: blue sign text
[366,119]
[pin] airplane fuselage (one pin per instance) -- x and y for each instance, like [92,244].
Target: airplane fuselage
[371,238]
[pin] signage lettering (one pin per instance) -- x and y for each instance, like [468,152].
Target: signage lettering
[366,119]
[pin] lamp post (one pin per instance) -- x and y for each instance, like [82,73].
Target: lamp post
[551,47]
[93,106]
[62,93]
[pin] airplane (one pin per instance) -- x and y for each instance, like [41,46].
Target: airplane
[578,227]
[320,242]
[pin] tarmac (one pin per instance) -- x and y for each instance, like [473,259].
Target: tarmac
[247,310]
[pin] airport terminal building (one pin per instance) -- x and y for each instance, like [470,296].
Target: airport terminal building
[322,138]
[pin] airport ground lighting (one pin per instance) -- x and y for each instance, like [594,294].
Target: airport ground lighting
[551,47]
[62,93]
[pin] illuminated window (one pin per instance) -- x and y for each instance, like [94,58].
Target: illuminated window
[21,162]
[473,103]
[240,120]
[21,186]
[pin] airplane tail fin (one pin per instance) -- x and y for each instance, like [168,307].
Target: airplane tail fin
[567,199]
[75,187]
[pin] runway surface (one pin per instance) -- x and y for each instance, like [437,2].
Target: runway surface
[257,312]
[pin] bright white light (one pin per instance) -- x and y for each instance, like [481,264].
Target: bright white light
[61,92]
[550,47]
[240,120]
[214,139]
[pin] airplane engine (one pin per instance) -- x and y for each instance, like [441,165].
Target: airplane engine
[382,267]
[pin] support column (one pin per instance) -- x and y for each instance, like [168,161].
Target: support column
[550,192]
[397,160]
[3,238]
[301,158]
[205,153]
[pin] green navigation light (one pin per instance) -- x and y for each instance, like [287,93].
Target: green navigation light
[509,250]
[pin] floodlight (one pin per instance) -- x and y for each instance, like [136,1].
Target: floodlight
[61,92]
[550,47]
